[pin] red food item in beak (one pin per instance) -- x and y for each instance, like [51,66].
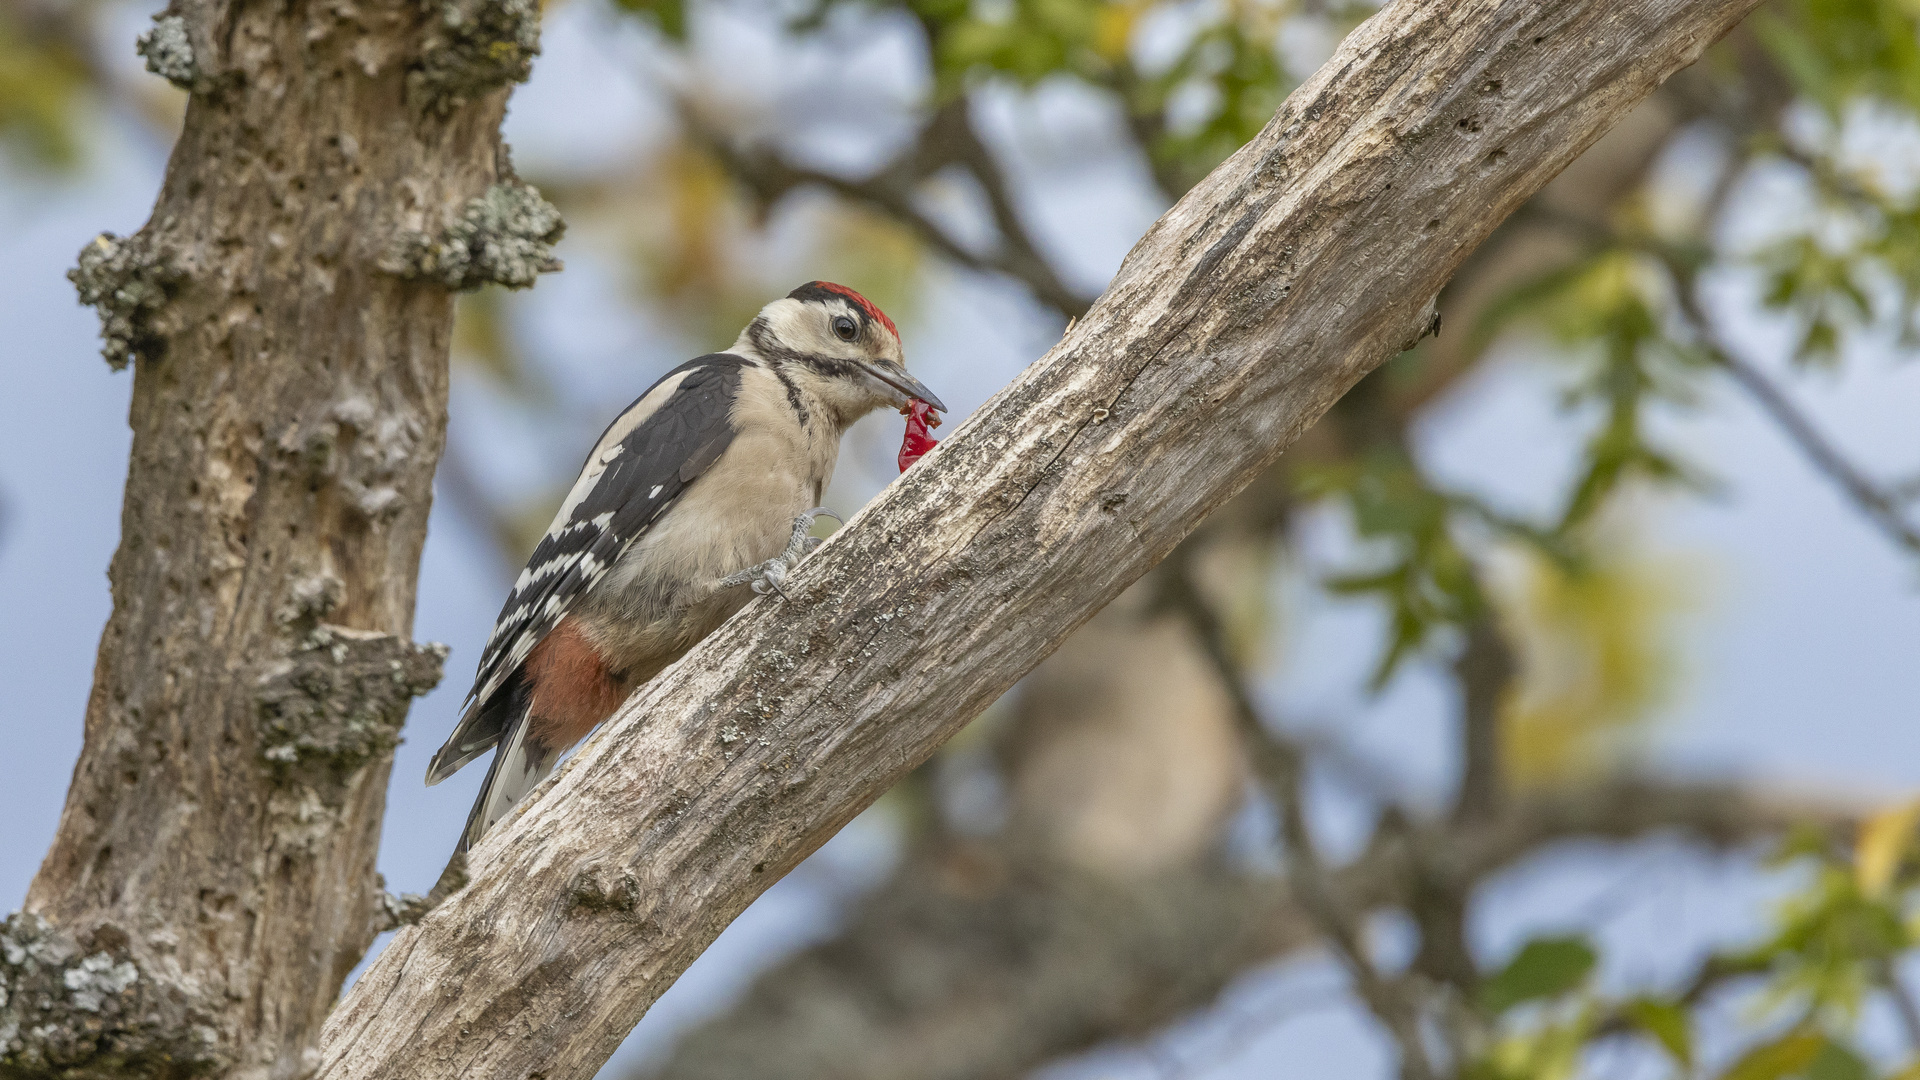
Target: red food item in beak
[920,416]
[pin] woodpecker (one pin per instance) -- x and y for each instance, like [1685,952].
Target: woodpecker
[694,499]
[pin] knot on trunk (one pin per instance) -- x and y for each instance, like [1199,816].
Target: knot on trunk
[367,454]
[169,52]
[505,237]
[338,701]
[126,280]
[474,47]
[78,1011]
[603,889]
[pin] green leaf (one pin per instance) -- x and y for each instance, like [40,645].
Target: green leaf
[1667,1023]
[42,83]
[1785,1056]
[669,15]
[1421,572]
[1837,50]
[1545,967]
[1836,1062]
[1800,1053]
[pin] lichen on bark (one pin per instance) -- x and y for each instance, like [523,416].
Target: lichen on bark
[169,51]
[127,280]
[339,699]
[82,1011]
[504,237]
[475,47]
[364,452]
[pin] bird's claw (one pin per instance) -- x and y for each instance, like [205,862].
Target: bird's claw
[770,575]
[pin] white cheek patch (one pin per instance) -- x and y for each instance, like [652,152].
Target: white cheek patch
[799,326]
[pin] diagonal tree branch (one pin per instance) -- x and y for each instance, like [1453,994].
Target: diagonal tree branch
[1300,264]
[1880,505]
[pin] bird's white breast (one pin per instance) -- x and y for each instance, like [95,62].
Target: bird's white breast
[737,514]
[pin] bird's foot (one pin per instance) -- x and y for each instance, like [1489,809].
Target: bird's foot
[769,576]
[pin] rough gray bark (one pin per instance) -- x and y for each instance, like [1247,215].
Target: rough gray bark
[1304,261]
[287,314]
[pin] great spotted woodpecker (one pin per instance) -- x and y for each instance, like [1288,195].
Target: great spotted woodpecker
[695,498]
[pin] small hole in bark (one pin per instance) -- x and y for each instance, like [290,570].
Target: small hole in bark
[1469,123]
[759,868]
[1491,86]
[1433,225]
[1495,159]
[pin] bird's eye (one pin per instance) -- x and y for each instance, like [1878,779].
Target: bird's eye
[845,329]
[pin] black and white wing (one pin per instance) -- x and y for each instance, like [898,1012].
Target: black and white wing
[639,467]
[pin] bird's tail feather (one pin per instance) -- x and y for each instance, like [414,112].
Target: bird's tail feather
[520,763]
[480,728]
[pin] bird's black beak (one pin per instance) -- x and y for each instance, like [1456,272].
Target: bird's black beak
[906,385]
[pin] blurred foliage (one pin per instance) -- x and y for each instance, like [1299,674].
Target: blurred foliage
[1426,578]
[1195,105]
[1859,60]
[1192,107]
[43,78]
[689,245]
[1607,314]
[1543,968]
[1620,318]
[1595,649]
[1838,51]
[703,259]
[1804,986]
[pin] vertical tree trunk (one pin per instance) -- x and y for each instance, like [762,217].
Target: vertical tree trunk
[287,313]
